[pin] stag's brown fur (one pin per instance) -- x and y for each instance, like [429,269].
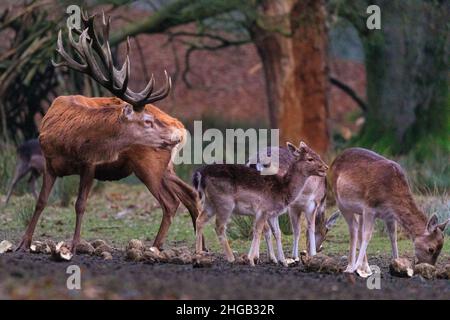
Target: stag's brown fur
[81,134]
[89,130]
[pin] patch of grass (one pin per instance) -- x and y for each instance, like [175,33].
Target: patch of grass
[285,224]
[240,227]
[65,189]
[144,217]
[436,201]
[25,210]
[432,172]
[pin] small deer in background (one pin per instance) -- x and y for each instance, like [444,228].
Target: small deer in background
[29,160]
[225,189]
[370,186]
[311,200]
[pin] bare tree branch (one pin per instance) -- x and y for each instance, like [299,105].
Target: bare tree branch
[350,92]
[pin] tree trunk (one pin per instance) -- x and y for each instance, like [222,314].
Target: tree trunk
[295,67]
[407,76]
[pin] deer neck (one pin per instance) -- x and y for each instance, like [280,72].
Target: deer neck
[294,180]
[412,219]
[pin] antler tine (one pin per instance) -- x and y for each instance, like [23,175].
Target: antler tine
[105,23]
[76,45]
[69,62]
[103,71]
[96,72]
[147,91]
[122,76]
[163,92]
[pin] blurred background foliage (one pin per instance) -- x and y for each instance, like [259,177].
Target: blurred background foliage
[400,108]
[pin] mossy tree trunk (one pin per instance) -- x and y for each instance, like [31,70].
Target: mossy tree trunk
[407,64]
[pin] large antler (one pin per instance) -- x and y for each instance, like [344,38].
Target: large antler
[107,75]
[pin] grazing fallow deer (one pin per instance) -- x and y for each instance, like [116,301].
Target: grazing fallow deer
[225,189]
[110,138]
[29,160]
[371,186]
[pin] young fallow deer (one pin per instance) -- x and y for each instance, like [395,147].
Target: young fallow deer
[225,189]
[29,160]
[310,200]
[370,186]
[110,138]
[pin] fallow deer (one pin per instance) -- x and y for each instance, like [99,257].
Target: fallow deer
[370,186]
[29,160]
[310,200]
[110,138]
[225,189]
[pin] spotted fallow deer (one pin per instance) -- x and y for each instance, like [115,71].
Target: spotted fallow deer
[225,189]
[310,200]
[110,138]
[368,186]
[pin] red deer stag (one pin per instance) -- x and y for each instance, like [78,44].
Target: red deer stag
[110,138]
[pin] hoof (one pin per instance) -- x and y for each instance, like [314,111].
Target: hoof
[24,246]
[349,269]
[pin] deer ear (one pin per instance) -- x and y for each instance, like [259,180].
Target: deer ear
[302,145]
[443,225]
[292,149]
[432,223]
[332,220]
[127,112]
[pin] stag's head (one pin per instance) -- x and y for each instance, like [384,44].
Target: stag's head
[307,161]
[428,246]
[142,123]
[151,127]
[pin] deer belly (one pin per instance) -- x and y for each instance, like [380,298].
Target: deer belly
[349,196]
[247,203]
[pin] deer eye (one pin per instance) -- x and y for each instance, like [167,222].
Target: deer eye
[148,123]
[310,159]
[431,250]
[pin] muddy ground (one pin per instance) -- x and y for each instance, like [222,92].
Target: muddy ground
[33,276]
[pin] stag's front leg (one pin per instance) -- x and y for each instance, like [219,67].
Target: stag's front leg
[86,181]
[169,205]
[47,185]
[158,187]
